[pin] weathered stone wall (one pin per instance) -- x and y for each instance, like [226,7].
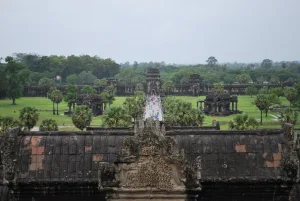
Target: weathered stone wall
[128,90]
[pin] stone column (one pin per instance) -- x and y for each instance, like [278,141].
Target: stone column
[236,106]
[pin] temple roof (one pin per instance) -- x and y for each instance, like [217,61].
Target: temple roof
[226,155]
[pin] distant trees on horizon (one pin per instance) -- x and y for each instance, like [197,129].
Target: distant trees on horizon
[48,71]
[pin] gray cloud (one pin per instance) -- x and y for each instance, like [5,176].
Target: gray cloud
[175,31]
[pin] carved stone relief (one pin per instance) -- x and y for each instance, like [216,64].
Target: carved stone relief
[8,153]
[150,159]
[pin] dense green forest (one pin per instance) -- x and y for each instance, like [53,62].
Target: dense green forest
[85,69]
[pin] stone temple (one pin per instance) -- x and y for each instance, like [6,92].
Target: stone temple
[150,162]
[219,105]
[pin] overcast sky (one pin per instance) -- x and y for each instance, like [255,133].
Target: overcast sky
[174,31]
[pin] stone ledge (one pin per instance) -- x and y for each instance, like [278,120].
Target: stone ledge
[148,193]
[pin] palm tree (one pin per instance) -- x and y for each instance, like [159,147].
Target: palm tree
[261,103]
[49,95]
[116,117]
[290,93]
[57,97]
[243,122]
[108,97]
[108,94]
[82,117]
[272,100]
[70,96]
[135,105]
[29,117]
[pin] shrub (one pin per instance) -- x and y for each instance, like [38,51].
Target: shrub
[116,117]
[48,125]
[179,112]
[243,122]
[8,122]
[29,117]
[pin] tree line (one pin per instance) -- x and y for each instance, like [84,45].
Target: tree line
[85,69]
[60,67]
[212,72]
[49,71]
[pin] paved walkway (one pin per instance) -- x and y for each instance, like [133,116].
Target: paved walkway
[37,128]
[153,108]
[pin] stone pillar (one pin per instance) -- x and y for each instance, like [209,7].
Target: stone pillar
[232,106]
[236,106]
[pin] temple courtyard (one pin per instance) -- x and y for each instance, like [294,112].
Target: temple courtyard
[44,105]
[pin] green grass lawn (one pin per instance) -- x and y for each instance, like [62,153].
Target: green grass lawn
[44,105]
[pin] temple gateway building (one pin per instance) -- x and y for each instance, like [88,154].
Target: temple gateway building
[219,105]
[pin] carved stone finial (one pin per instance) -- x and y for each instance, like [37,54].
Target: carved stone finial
[150,159]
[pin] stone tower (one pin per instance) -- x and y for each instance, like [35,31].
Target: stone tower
[195,84]
[153,81]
